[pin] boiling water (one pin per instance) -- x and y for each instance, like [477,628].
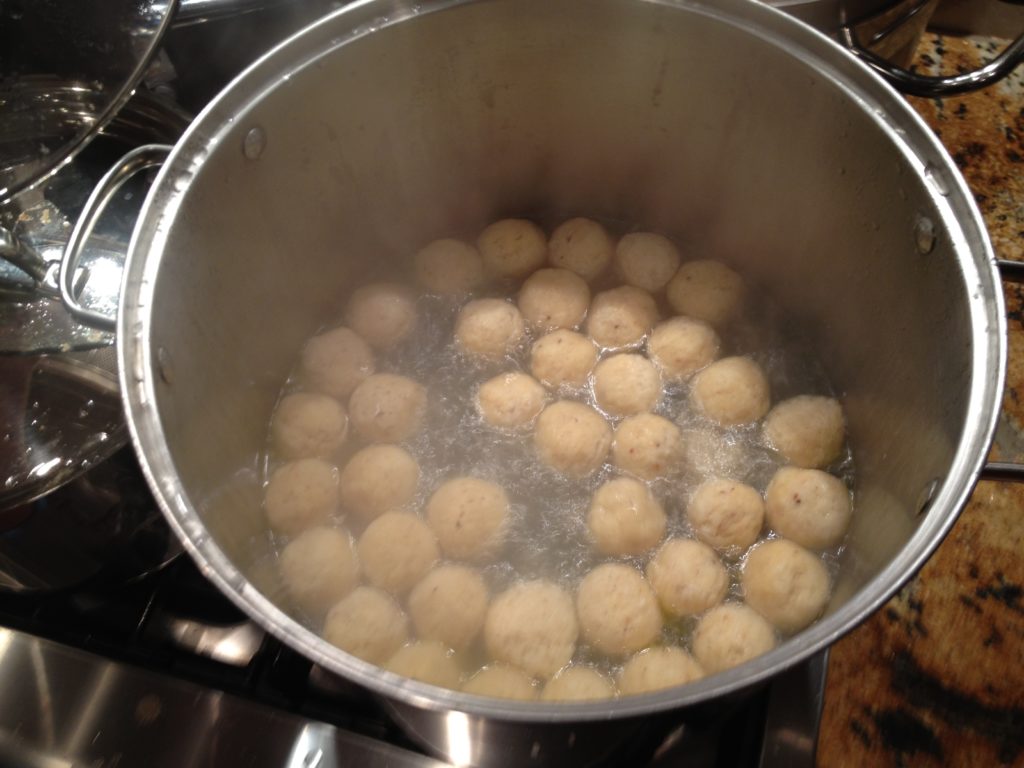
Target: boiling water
[546,533]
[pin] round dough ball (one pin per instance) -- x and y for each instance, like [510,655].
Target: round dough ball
[563,358]
[786,584]
[449,605]
[583,246]
[397,550]
[706,290]
[617,609]
[647,446]
[335,363]
[489,328]
[680,347]
[572,437]
[646,260]
[387,408]
[319,568]
[382,313]
[732,391]
[502,682]
[431,663]
[807,430]
[729,635]
[512,248]
[578,683]
[554,298]
[449,267]
[726,514]
[468,517]
[378,478]
[621,317]
[368,624]
[656,668]
[510,400]
[532,626]
[808,506]
[306,425]
[688,577]
[626,384]
[301,495]
[625,518]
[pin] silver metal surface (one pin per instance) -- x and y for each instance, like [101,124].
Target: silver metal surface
[792,162]
[793,714]
[136,161]
[63,707]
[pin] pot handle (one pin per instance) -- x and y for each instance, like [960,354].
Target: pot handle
[914,84]
[1006,471]
[139,159]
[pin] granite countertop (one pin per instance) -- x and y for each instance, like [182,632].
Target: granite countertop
[937,676]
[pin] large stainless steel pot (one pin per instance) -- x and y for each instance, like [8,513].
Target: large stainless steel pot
[385,125]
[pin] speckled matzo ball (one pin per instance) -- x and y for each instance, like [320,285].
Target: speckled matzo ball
[578,683]
[729,635]
[428,662]
[732,391]
[319,568]
[809,506]
[300,495]
[512,248]
[532,625]
[510,400]
[572,437]
[786,584]
[554,298]
[387,408]
[626,384]
[468,516]
[335,362]
[307,425]
[621,317]
[726,514]
[382,313]
[489,328]
[563,359]
[583,246]
[656,668]
[646,260]
[625,518]
[449,267]
[449,605]
[378,478]
[368,623]
[681,346]
[502,682]
[396,551]
[688,577]
[807,430]
[647,446]
[617,609]
[708,291]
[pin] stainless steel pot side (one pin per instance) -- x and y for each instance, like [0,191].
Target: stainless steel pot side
[726,124]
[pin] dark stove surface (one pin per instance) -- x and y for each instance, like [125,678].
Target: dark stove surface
[164,670]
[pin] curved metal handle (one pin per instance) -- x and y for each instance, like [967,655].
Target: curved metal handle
[914,84]
[139,159]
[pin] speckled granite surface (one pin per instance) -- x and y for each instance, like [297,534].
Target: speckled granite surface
[937,676]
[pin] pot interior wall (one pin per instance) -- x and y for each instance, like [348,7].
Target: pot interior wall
[652,115]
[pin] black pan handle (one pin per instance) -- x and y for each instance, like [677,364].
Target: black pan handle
[914,84]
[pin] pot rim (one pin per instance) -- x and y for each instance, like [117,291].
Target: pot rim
[961,220]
